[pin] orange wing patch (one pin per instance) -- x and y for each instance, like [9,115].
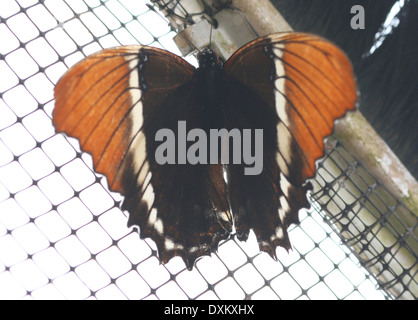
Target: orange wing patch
[320,88]
[92,102]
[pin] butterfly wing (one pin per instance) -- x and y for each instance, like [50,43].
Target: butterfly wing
[114,102]
[301,84]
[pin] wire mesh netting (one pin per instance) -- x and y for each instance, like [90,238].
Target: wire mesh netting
[62,234]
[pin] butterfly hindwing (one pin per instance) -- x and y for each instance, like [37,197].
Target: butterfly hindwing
[254,197]
[190,213]
[301,84]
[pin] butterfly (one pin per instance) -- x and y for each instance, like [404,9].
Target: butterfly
[292,86]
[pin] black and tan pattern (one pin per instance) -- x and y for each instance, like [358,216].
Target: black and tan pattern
[293,86]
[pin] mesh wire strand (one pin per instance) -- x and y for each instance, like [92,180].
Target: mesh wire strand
[62,234]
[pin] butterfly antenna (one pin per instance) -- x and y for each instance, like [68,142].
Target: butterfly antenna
[210,36]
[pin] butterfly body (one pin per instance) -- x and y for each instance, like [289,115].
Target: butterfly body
[121,104]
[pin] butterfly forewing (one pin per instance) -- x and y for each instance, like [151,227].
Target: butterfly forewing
[100,101]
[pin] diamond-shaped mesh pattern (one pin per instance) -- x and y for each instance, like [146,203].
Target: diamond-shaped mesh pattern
[62,234]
